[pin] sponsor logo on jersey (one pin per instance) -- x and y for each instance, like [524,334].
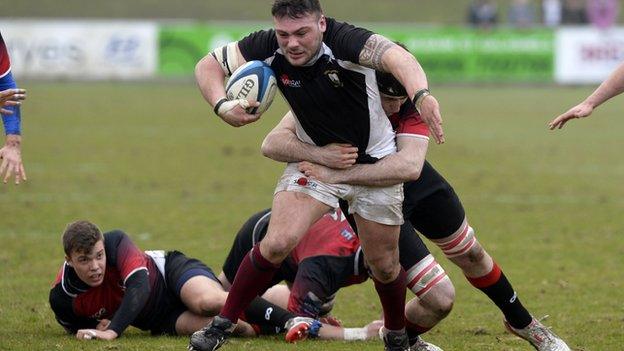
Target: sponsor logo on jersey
[290,82]
[345,233]
[333,77]
[99,314]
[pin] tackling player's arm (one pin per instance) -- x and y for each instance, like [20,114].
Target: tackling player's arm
[210,73]
[382,54]
[283,145]
[612,86]
[400,167]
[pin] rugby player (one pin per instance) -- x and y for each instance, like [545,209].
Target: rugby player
[107,284]
[431,205]
[10,153]
[612,86]
[328,258]
[326,72]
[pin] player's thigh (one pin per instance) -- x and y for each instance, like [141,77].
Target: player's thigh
[201,294]
[438,215]
[278,295]
[292,215]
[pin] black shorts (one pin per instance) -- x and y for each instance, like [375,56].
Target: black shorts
[250,234]
[178,270]
[431,205]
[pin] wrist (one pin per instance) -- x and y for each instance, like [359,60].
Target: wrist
[355,334]
[14,140]
[420,97]
[218,104]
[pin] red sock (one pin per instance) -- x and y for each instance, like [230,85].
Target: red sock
[253,276]
[392,297]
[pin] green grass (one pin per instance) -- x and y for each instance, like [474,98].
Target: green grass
[152,159]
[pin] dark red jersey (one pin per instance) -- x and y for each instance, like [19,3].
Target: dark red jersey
[5,63]
[407,122]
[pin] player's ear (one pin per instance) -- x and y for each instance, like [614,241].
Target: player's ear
[322,23]
[68,260]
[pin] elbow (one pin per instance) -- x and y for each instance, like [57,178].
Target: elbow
[412,172]
[267,147]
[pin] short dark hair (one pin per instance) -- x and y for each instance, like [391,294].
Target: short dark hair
[295,8]
[80,236]
[388,84]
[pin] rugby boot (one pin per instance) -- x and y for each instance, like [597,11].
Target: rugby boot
[300,328]
[418,344]
[540,336]
[394,340]
[212,336]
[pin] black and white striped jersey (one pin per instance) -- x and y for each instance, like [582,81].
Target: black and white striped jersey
[335,99]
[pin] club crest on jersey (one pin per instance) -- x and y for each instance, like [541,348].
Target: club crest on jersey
[345,233]
[290,82]
[334,78]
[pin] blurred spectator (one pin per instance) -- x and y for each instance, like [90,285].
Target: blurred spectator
[521,14]
[602,13]
[483,14]
[574,12]
[551,10]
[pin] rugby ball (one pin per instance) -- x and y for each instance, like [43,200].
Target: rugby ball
[254,81]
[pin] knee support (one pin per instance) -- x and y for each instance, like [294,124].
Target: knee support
[424,275]
[459,242]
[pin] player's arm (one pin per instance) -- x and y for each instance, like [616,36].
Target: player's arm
[612,86]
[11,153]
[210,74]
[283,145]
[136,294]
[400,167]
[382,54]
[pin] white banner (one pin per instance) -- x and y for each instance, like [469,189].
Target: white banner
[587,54]
[82,49]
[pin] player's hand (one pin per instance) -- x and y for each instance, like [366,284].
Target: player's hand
[234,112]
[338,156]
[331,320]
[11,160]
[90,334]
[11,97]
[372,329]
[103,325]
[579,111]
[430,114]
[319,172]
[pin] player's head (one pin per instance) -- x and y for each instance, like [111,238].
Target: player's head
[299,27]
[84,251]
[392,92]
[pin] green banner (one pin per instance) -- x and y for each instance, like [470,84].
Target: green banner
[446,54]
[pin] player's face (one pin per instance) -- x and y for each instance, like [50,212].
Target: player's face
[89,266]
[392,104]
[300,38]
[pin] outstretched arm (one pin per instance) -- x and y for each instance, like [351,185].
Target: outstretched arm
[612,86]
[382,54]
[11,153]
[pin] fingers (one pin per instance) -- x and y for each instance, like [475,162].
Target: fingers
[9,172]
[23,172]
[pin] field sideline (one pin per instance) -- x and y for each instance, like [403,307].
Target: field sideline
[152,159]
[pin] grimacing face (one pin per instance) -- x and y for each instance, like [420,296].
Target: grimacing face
[300,38]
[89,266]
[391,104]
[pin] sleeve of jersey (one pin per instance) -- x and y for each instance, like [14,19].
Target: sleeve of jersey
[12,121]
[258,45]
[346,40]
[412,126]
[126,257]
[63,309]
[136,296]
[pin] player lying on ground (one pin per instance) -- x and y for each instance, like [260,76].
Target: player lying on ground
[326,73]
[612,86]
[431,205]
[107,284]
[10,96]
[328,258]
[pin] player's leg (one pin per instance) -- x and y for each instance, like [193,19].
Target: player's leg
[188,322]
[434,291]
[440,217]
[278,295]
